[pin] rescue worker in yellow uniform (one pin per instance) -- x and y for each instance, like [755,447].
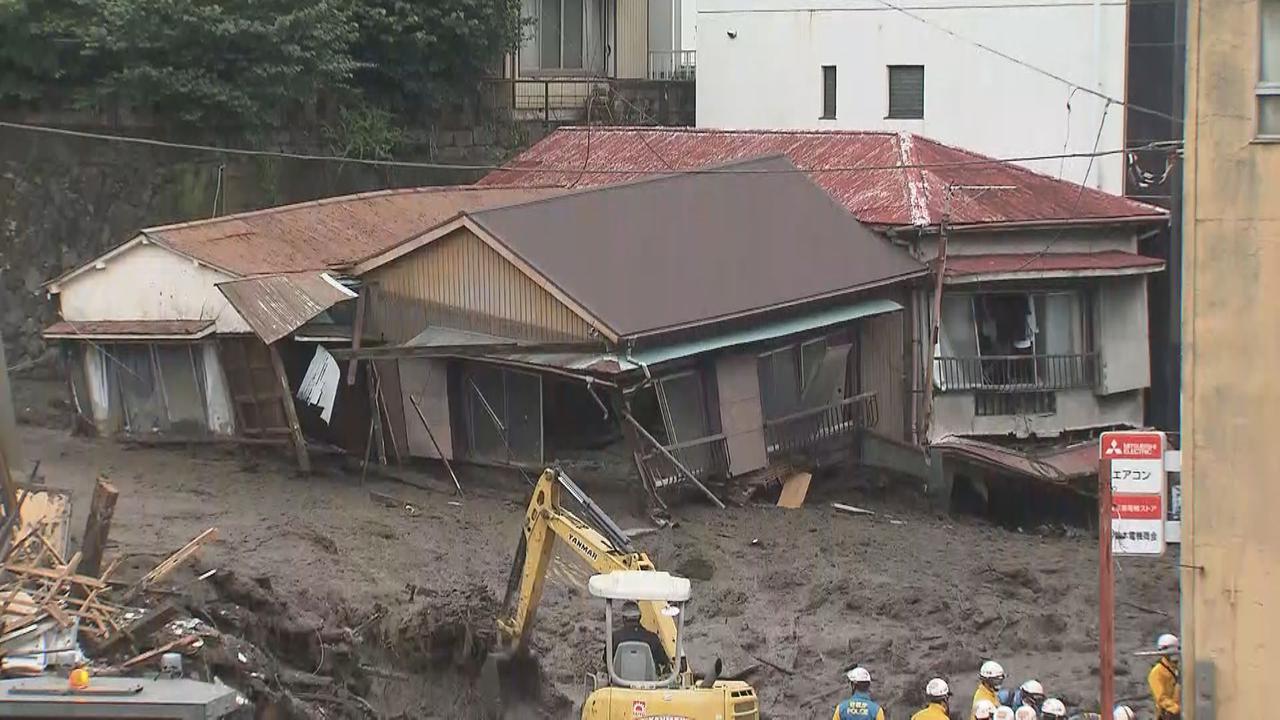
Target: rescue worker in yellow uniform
[938,696]
[990,676]
[859,706]
[1166,684]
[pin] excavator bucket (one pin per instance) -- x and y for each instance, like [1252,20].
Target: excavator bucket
[510,684]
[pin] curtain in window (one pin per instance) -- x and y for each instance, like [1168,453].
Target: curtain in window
[957,338]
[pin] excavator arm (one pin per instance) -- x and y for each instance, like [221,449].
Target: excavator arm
[600,543]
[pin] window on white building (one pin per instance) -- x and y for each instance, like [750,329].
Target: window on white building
[557,40]
[906,92]
[1268,87]
[828,92]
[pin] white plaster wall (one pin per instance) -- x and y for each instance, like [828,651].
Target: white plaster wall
[1077,410]
[218,407]
[769,76]
[148,282]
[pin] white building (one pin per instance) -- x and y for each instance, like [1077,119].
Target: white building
[922,68]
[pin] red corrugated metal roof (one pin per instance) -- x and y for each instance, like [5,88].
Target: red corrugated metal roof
[896,192]
[961,265]
[333,233]
[128,329]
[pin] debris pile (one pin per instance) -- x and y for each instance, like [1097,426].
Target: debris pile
[58,611]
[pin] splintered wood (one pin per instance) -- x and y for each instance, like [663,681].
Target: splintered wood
[41,590]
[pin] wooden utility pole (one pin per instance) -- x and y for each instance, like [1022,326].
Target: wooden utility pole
[1106,592]
[10,458]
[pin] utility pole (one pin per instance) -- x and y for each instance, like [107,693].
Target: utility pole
[940,273]
[10,458]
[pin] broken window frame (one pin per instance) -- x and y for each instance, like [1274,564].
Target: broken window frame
[972,369]
[805,370]
[496,413]
[112,356]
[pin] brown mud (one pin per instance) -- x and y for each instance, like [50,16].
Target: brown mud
[349,608]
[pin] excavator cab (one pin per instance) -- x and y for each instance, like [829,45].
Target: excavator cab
[631,663]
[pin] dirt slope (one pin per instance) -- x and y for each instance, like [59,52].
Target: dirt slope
[801,594]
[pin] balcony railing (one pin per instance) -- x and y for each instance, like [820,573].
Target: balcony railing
[823,429]
[1017,373]
[672,64]
[705,457]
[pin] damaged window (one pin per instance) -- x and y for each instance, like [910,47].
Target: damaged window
[808,375]
[160,388]
[1013,339]
[504,414]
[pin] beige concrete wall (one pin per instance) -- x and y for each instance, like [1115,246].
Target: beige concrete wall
[1231,388]
[1077,410]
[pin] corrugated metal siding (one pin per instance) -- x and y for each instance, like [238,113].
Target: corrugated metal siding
[458,281]
[633,38]
[883,372]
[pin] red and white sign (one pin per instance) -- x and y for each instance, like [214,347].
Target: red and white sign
[1137,491]
[637,708]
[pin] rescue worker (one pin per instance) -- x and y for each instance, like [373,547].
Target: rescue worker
[938,697]
[990,676]
[1029,693]
[1004,712]
[983,710]
[1024,712]
[1123,712]
[1166,685]
[1053,709]
[859,706]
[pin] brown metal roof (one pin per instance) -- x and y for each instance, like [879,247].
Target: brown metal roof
[693,248]
[333,233]
[276,305]
[128,329]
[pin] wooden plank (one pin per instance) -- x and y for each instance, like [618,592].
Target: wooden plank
[181,642]
[140,629]
[423,418]
[169,564]
[794,490]
[51,574]
[97,527]
[290,413]
[63,573]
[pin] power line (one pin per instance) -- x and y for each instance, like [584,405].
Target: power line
[1079,195]
[1035,68]
[587,171]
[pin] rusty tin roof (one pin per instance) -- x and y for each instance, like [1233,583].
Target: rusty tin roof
[328,234]
[1109,261]
[898,179]
[128,329]
[276,305]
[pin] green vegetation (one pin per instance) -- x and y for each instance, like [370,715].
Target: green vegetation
[255,64]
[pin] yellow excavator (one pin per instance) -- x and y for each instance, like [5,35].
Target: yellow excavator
[643,678]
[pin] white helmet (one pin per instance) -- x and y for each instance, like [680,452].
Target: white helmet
[1123,712]
[937,688]
[983,710]
[858,675]
[1004,712]
[1032,687]
[1026,712]
[992,670]
[1168,644]
[1053,709]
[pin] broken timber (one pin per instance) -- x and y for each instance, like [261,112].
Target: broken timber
[414,401]
[169,564]
[98,526]
[672,459]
